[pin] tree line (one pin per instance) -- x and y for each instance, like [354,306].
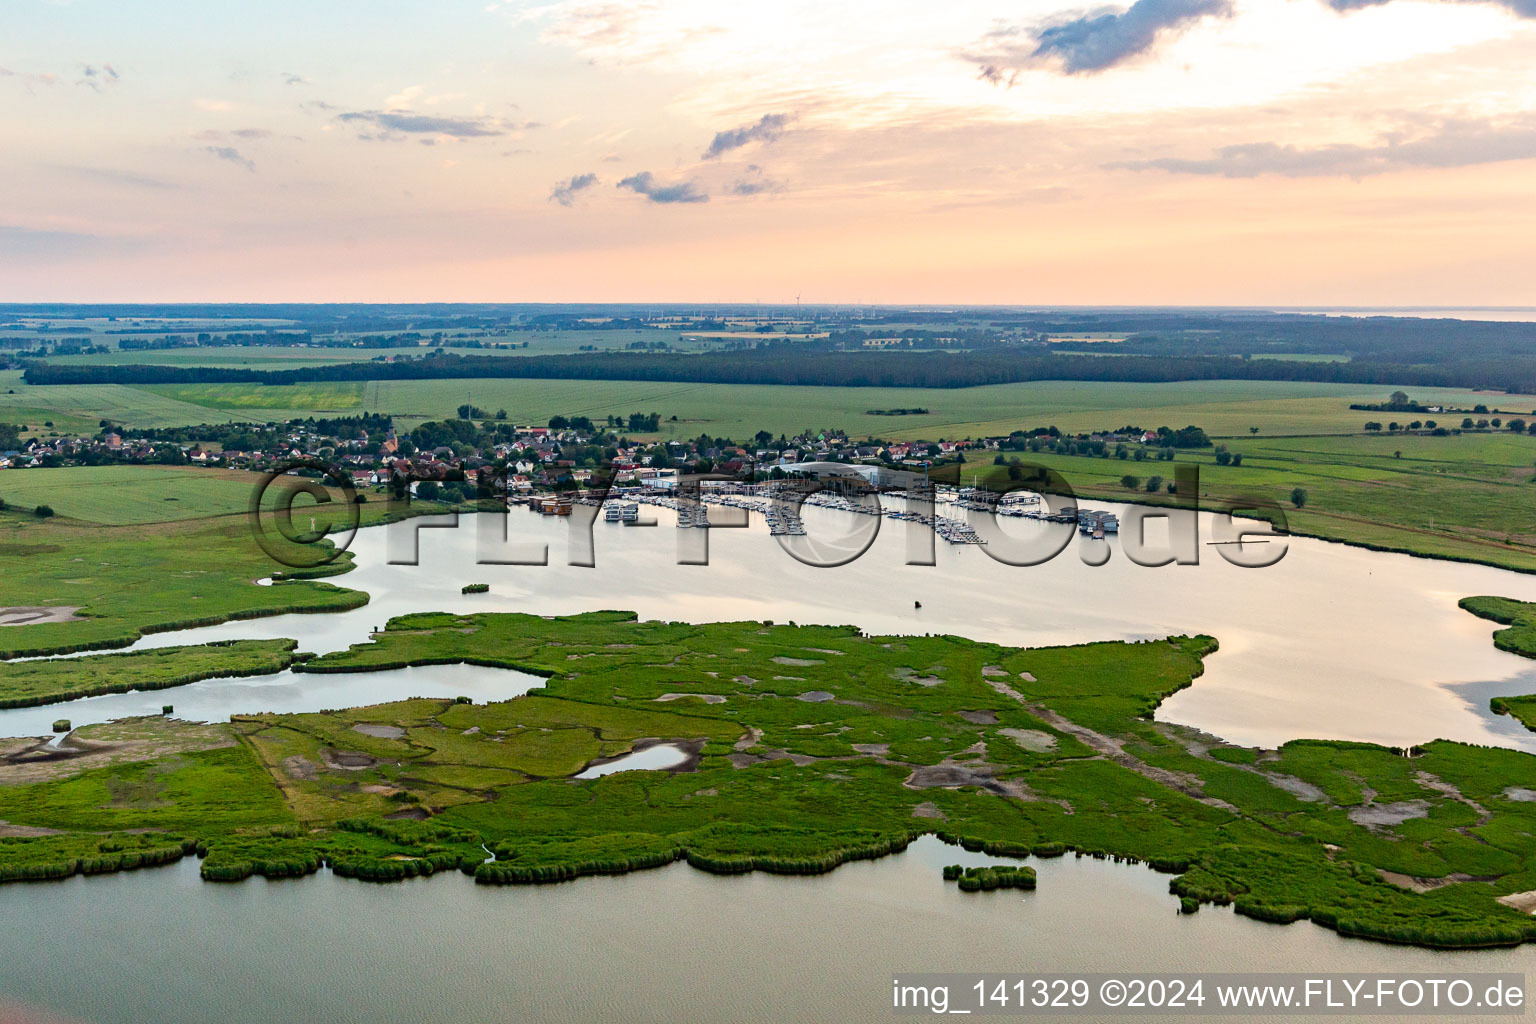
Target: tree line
[787,363]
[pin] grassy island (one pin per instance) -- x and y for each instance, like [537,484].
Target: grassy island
[33,683]
[807,747]
[1518,637]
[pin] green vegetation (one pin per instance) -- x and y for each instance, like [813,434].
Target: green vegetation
[1466,497]
[33,683]
[987,879]
[152,576]
[475,588]
[1519,637]
[1006,751]
[49,858]
[131,495]
[1222,407]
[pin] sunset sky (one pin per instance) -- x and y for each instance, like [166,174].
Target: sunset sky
[1291,152]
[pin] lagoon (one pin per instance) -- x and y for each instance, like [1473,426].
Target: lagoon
[666,945]
[1332,642]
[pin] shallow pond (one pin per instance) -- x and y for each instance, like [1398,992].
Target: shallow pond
[214,700]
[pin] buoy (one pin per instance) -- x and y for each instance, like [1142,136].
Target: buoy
[917,604]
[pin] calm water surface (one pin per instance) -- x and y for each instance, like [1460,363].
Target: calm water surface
[1333,641]
[668,945]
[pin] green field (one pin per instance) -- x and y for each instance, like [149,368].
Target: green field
[123,495]
[79,408]
[1470,496]
[33,683]
[866,743]
[164,572]
[740,410]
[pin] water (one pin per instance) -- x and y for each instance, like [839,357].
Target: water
[1332,642]
[668,945]
[662,755]
[214,700]
[1506,314]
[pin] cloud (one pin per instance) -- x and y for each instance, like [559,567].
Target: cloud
[30,79]
[1092,42]
[754,184]
[766,129]
[394,123]
[1450,144]
[1524,8]
[38,244]
[248,134]
[231,154]
[114,176]
[289,78]
[564,192]
[98,77]
[683,192]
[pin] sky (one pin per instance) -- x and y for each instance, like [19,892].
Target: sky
[1213,152]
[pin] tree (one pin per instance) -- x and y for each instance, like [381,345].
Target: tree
[428,490]
[1372,425]
[1223,458]
[1397,400]
[1517,426]
[1253,430]
[1237,460]
[1466,423]
[1129,482]
[558,423]
[1299,496]
[1154,484]
[43,511]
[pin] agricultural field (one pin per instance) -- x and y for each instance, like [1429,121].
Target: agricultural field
[126,495]
[740,410]
[80,408]
[871,742]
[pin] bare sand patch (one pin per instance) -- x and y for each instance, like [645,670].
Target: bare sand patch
[347,760]
[1032,740]
[927,809]
[1296,787]
[1525,902]
[979,717]
[1377,815]
[799,662]
[381,732]
[814,696]
[32,614]
[1524,796]
[993,670]
[707,698]
[300,767]
[1027,677]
